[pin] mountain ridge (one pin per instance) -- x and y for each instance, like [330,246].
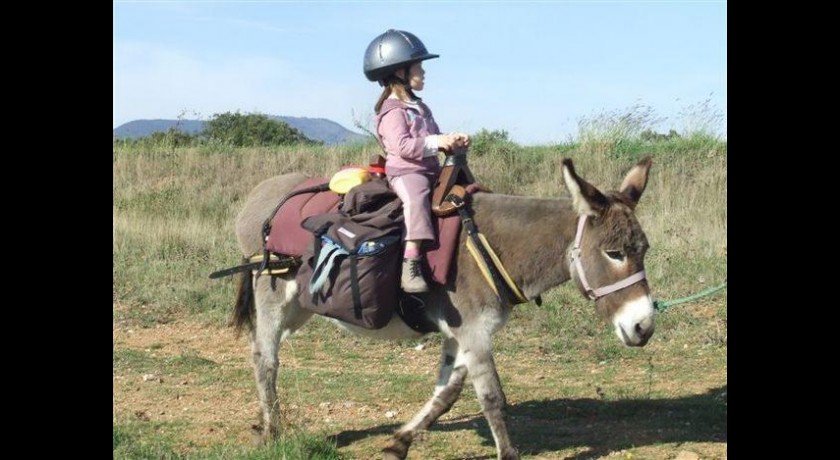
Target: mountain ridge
[319,129]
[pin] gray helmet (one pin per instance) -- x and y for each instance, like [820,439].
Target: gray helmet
[393,50]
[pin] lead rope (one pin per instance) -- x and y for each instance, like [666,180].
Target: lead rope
[661,305]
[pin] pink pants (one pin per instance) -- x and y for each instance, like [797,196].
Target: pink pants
[415,192]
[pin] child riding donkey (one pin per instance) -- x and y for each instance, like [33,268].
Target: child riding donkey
[411,138]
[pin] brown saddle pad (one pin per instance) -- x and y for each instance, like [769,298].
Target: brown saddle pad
[440,254]
[286,235]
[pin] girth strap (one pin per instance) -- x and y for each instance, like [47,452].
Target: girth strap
[504,286]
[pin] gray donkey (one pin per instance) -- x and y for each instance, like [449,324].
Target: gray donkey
[593,239]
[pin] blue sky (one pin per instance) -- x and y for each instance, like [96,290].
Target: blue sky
[533,69]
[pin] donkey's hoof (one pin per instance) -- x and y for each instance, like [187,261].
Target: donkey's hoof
[509,454]
[260,436]
[257,438]
[398,449]
[391,454]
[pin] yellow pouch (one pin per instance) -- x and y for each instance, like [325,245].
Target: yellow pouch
[342,181]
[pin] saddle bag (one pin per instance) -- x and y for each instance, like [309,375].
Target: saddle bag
[352,270]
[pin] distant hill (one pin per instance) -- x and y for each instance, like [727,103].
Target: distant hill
[319,129]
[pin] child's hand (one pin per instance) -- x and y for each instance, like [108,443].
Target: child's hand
[462,140]
[447,142]
[452,141]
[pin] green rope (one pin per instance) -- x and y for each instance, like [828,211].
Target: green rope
[660,305]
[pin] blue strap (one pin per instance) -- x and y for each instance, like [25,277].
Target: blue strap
[324,265]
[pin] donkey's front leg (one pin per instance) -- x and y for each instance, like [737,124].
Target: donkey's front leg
[479,359]
[449,385]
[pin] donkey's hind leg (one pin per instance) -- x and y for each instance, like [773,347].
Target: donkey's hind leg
[449,385]
[278,315]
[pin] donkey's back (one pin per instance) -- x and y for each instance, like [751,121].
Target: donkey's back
[258,207]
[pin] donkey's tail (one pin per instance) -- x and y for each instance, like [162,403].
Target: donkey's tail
[243,310]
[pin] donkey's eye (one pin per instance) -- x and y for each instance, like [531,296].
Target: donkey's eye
[616,255]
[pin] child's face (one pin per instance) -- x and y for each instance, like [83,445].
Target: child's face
[416,76]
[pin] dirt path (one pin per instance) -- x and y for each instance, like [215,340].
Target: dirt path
[195,382]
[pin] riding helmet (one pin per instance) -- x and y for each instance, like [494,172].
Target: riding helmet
[393,50]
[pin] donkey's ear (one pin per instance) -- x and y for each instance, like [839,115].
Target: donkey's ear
[636,181]
[586,198]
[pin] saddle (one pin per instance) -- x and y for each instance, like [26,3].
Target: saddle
[454,176]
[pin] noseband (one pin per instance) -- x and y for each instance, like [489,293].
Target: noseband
[595,294]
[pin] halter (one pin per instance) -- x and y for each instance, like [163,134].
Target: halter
[595,294]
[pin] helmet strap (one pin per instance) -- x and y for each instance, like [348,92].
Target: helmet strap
[406,83]
[403,81]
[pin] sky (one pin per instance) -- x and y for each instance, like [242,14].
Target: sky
[535,69]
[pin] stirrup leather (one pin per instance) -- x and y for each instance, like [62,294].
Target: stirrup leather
[454,176]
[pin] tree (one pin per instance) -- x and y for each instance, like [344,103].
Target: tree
[251,130]
[496,143]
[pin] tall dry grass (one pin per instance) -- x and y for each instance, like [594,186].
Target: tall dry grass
[173,208]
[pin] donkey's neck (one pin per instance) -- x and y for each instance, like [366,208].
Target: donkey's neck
[530,235]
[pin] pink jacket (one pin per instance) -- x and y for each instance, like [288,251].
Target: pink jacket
[403,128]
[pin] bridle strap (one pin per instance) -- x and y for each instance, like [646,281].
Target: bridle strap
[597,293]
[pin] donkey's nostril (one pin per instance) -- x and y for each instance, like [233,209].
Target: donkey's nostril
[644,328]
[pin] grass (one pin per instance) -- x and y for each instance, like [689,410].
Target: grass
[183,386]
[135,440]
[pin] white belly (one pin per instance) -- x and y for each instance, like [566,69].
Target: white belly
[396,329]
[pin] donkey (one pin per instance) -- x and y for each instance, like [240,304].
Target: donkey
[593,239]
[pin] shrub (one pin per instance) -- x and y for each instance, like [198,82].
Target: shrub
[494,143]
[251,130]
